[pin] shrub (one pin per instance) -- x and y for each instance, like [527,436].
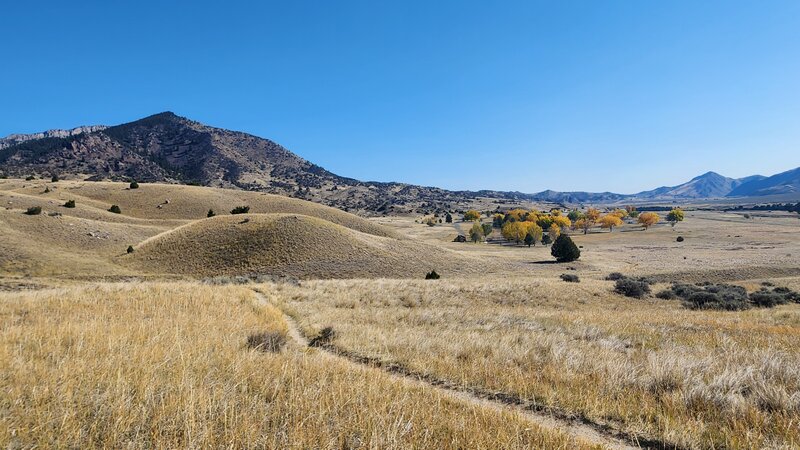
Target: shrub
[69,204]
[569,278]
[632,288]
[34,211]
[790,295]
[448,218]
[564,250]
[432,275]
[30,178]
[211,213]
[54,178]
[270,341]
[614,276]
[47,189]
[723,297]
[134,185]
[679,239]
[766,299]
[666,294]
[115,209]
[324,337]
[130,249]
[546,239]
[240,210]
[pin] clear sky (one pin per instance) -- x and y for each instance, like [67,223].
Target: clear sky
[531,95]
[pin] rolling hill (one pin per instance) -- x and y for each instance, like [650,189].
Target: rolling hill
[168,226]
[289,245]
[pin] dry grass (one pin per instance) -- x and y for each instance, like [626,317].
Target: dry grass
[695,379]
[167,366]
[283,244]
[186,203]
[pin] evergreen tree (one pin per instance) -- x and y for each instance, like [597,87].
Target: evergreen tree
[564,250]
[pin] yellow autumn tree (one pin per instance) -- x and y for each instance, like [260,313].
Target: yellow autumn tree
[621,213]
[562,222]
[583,224]
[592,214]
[648,219]
[554,231]
[471,215]
[514,231]
[610,221]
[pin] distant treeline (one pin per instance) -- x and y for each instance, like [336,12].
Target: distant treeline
[791,207]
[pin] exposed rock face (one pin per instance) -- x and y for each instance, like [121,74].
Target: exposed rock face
[14,139]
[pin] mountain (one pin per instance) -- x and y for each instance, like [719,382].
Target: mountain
[707,185]
[173,149]
[169,148]
[783,183]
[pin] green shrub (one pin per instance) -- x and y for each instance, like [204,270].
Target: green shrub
[130,249]
[679,239]
[30,178]
[54,178]
[134,185]
[69,204]
[115,209]
[564,250]
[240,210]
[211,213]
[34,211]
[614,276]
[546,239]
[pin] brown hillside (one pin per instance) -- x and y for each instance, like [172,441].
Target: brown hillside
[149,202]
[287,244]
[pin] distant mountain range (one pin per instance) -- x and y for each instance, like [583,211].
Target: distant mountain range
[168,148]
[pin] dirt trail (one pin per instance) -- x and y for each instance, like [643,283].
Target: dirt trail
[593,434]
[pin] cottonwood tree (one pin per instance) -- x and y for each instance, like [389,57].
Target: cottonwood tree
[610,221]
[648,219]
[487,229]
[471,215]
[675,216]
[476,232]
[554,231]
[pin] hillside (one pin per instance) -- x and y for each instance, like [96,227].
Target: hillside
[707,185]
[172,149]
[168,227]
[782,183]
[286,244]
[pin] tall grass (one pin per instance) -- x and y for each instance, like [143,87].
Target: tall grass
[698,379]
[168,366]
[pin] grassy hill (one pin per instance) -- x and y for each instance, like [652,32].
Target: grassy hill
[286,244]
[168,226]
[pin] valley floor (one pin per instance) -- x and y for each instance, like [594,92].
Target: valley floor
[104,348]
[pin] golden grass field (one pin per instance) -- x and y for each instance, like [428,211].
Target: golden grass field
[101,348]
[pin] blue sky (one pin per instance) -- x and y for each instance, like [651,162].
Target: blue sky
[578,95]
